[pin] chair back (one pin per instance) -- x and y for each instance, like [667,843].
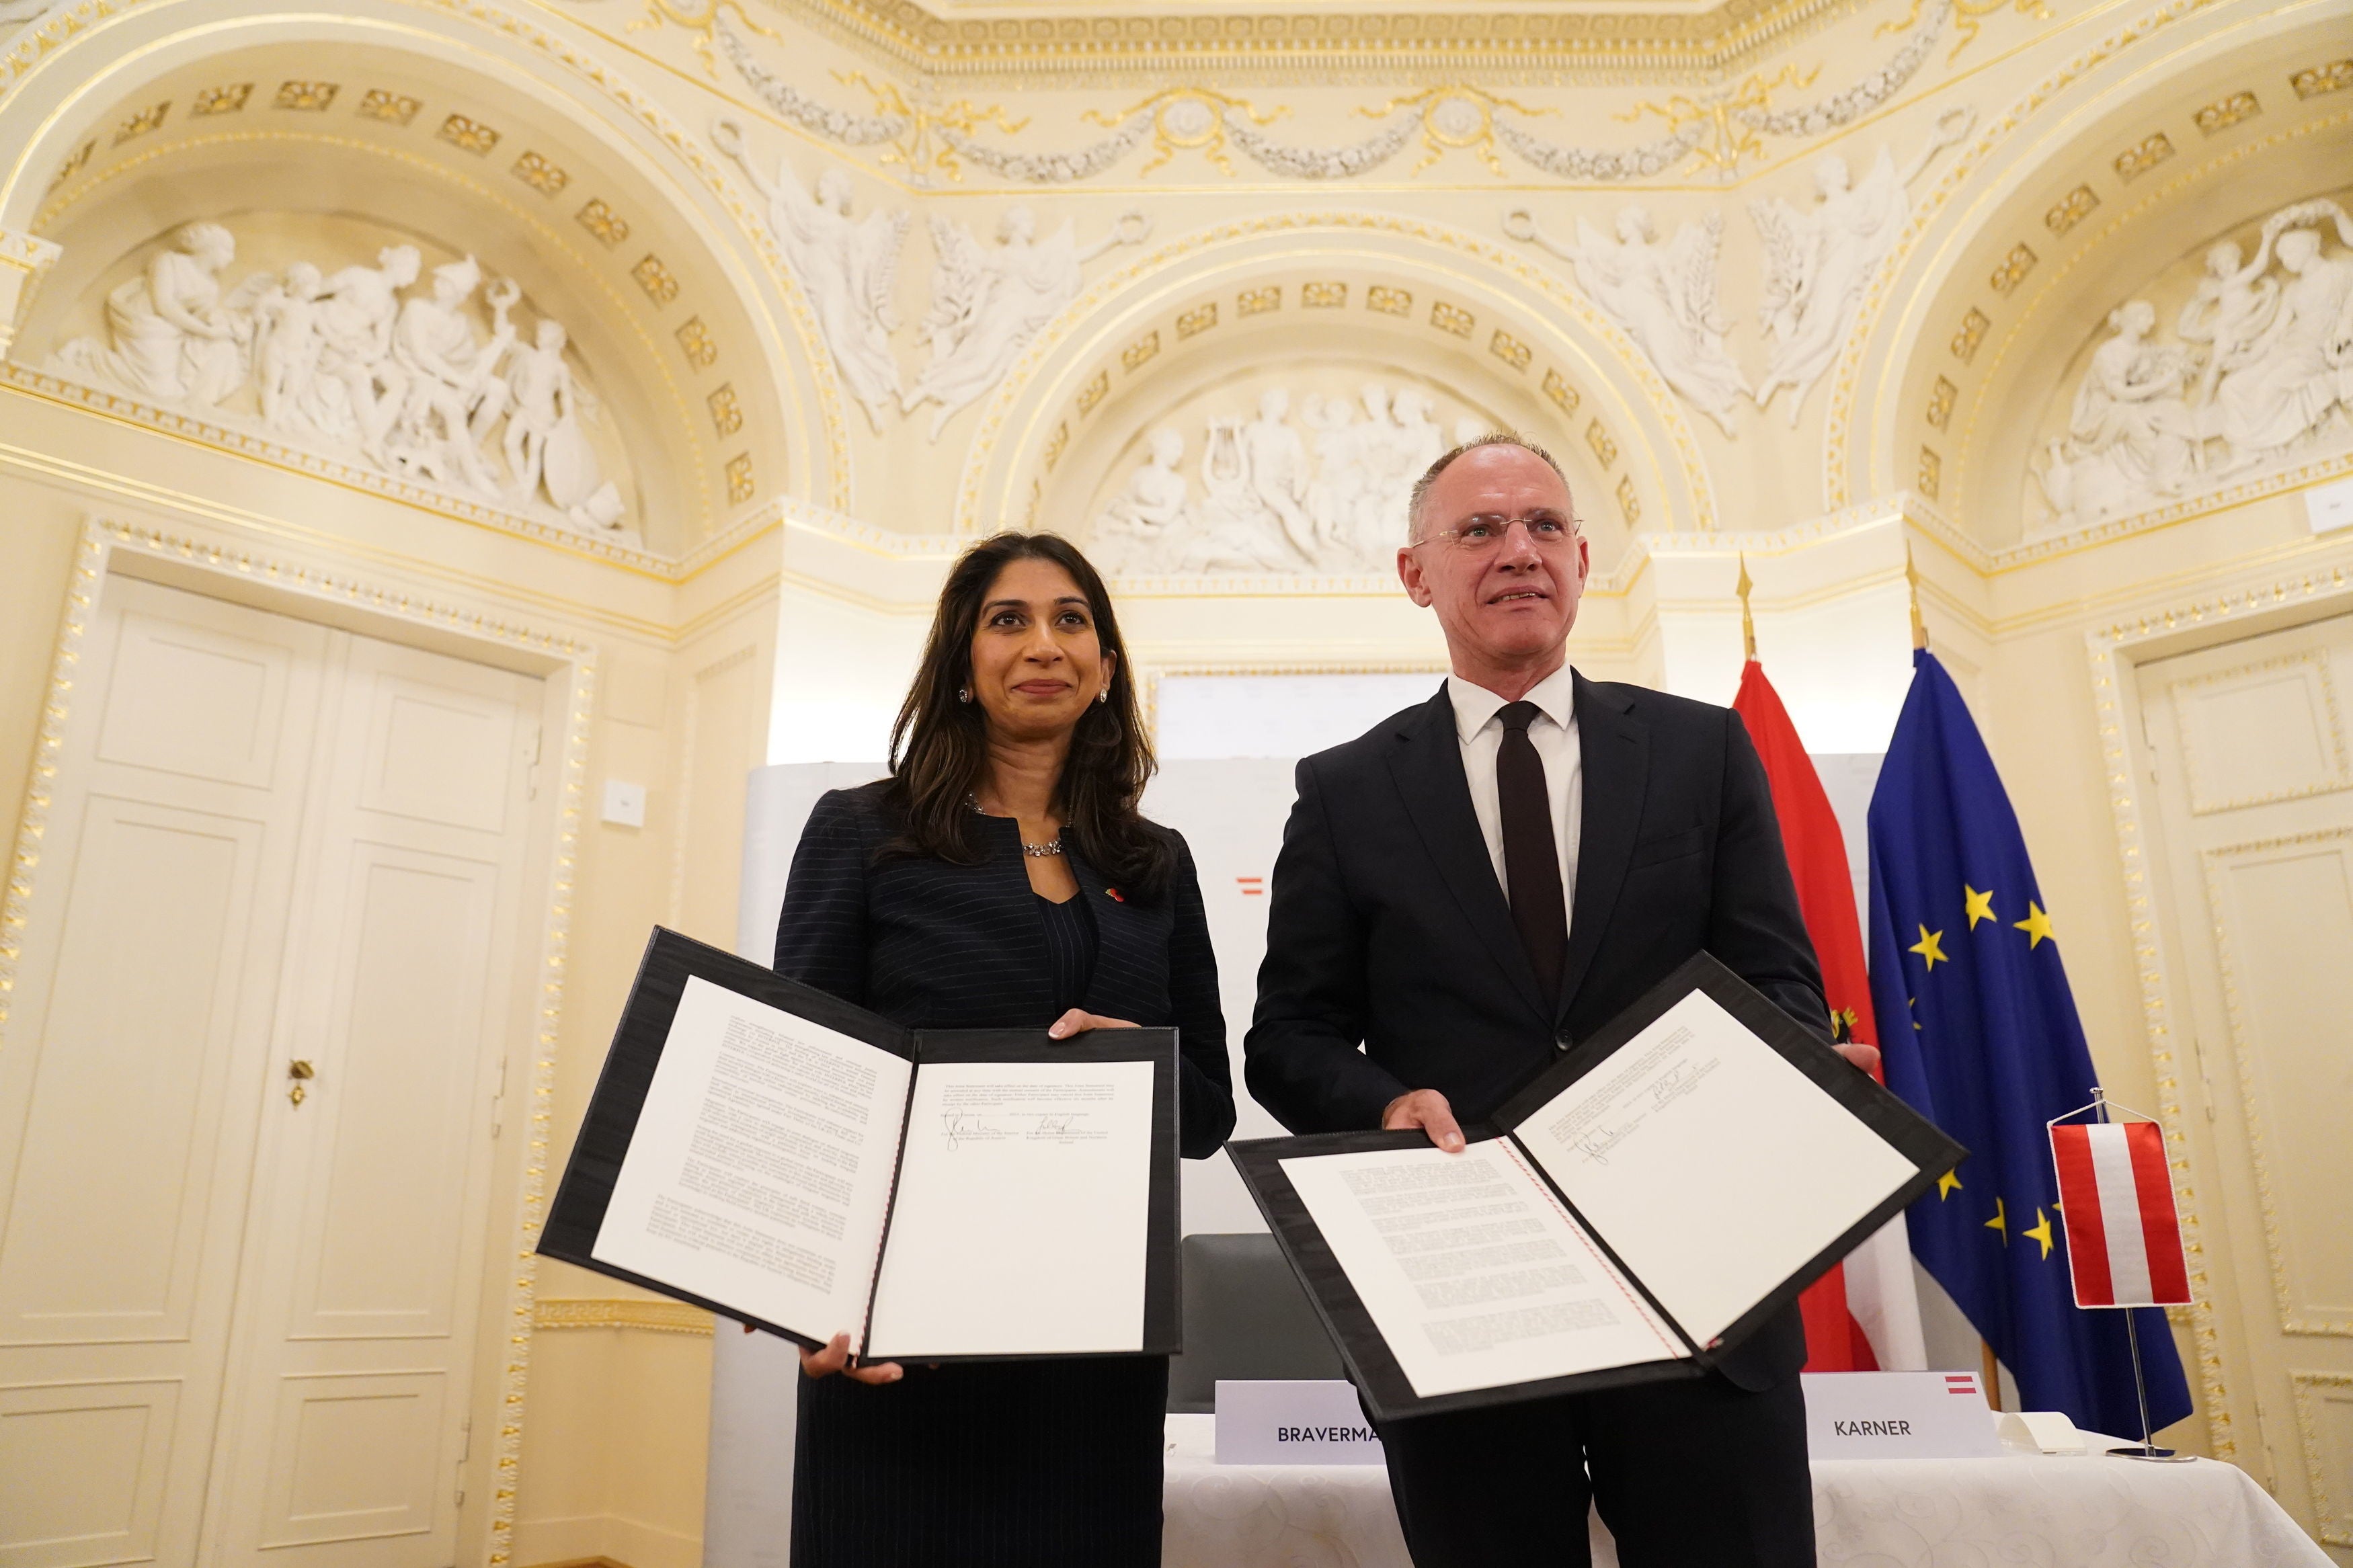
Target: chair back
[1246,1316]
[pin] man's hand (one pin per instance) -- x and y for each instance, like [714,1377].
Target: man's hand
[1078,1020]
[1862,1055]
[834,1358]
[1426,1109]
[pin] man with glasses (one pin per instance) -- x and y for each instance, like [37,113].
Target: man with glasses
[1466,892]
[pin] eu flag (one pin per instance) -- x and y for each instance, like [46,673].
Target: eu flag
[1963,948]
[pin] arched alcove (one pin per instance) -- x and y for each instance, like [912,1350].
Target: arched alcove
[685,373]
[1326,309]
[1992,314]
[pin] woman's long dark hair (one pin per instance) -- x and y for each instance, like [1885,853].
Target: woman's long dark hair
[939,746]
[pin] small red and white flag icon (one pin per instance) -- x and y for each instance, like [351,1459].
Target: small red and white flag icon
[2123,1238]
[1962,1383]
[1252,887]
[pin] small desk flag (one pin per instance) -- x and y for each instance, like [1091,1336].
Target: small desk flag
[1981,1037]
[2124,1240]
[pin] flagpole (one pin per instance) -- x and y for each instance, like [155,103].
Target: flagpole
[1748,621]
[2149,1449]
[1911,587]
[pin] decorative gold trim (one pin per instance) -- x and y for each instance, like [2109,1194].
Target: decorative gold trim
[620,1312]
[49,743]
[2330,77]
[2223,113]
[221,99]
[2013,268]
[468,136]
[306,97]
[1940,403]
[392,108]
[541,174]
[2115,652]
[2143,155]
[2332,1510]
[2071,209]
[2291,1320]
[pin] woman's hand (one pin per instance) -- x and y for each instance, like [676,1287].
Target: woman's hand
[1078,1020]
[834,1358]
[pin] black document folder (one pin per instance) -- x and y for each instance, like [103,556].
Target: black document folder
[1635,1212]
[769,1151]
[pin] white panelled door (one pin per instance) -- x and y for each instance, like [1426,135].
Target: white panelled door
[2254,787]
[237,1320]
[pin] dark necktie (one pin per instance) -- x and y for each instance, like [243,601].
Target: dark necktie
[1531,853]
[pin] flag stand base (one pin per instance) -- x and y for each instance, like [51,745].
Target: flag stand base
[2148,1448]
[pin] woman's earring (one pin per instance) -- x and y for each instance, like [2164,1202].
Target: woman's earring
[1105,695]
[964,694]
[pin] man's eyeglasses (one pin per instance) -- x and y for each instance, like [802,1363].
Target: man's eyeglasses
[1483,532]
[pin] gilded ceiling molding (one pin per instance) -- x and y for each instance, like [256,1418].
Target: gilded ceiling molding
[1654,396]
[1724,129]
[1550,45]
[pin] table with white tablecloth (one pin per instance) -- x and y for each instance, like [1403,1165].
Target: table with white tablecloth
[2069,1512]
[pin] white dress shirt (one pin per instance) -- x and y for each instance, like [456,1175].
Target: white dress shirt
[1553,733]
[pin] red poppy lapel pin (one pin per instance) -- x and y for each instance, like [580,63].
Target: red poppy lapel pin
[1113,894]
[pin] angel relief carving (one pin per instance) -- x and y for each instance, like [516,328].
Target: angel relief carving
[2262,374]
[988,303]
[847,268]
[1664,296]
[1820,260]
[346,363]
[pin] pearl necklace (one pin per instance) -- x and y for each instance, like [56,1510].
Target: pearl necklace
[1035,851]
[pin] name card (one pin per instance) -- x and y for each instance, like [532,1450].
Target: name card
[1314,1422]
[1898,1416]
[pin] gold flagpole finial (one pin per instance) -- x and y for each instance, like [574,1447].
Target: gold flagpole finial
[1912,586]
[1748,621]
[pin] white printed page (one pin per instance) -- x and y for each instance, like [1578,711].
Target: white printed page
[1712,1167]
[1022,1221]
[1471,1270]
[760,1165]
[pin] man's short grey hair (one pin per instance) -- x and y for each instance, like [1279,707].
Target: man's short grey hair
[1421,487]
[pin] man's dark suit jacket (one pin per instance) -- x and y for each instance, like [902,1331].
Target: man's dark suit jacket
[1387,928]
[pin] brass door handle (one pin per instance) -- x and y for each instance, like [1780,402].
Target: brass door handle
[300,1071]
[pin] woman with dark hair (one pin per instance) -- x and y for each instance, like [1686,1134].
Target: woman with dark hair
[1001,877]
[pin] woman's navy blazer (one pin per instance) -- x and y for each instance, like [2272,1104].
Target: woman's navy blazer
[932,945]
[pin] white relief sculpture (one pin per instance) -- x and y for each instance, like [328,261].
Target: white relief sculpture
[354,363]
[987,303]
[847,268]
[1664,296]
[286,347]
[1275,457]
[355,350]
[1820,260]
[2131,433]
[2228,313]
[1272,497]
[173,336]
[2297,372]
[454,393]
[2262,374]
[1143,523]
[545,444]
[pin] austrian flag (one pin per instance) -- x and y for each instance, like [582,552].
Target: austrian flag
[2124,1240]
